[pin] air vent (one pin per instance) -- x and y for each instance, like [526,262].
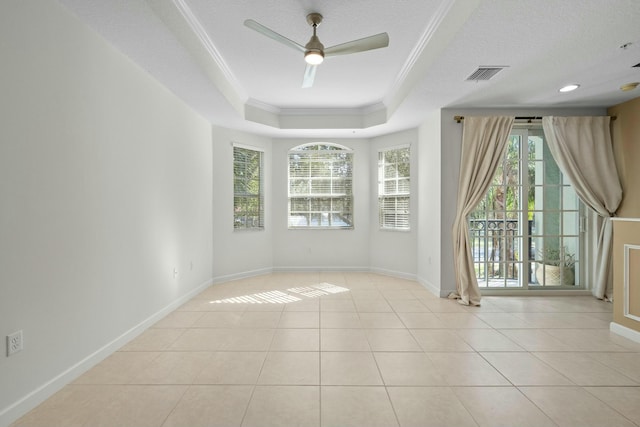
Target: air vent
[485,73]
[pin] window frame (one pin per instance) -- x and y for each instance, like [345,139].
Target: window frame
[238,211]
[530,235]
[395,196]
[316,202]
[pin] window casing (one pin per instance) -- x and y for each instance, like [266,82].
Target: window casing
[248,189]
[394,188]
[320,186]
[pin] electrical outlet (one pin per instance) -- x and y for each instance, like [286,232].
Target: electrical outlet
[14,343]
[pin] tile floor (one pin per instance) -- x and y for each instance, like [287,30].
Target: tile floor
[359,349]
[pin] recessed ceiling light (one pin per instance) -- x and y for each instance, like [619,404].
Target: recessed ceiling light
[629,86]
[569,88]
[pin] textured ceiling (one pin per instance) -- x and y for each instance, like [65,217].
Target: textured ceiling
[238,78]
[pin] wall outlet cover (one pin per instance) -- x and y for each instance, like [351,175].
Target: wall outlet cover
[14,343]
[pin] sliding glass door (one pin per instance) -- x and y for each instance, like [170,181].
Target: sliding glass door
[526,232]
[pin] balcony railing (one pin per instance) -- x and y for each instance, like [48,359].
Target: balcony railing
[497,254]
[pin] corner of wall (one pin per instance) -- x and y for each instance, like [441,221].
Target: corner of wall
[625,133]
[430,187]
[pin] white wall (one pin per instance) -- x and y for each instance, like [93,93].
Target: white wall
[105,185]
[240,252]
[429,177]
[321,249]
[394,252]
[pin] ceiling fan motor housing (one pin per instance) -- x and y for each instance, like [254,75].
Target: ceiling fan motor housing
[314,45]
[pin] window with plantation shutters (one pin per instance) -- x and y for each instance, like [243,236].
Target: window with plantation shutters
[248,187]
[320,186]
[394,188]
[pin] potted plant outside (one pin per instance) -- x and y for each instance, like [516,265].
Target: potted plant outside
[555,267]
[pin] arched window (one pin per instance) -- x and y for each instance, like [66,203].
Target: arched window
[320,186]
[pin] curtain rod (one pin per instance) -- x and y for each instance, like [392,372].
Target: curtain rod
[525,119]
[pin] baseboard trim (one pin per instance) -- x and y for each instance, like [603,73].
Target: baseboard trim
[628,333]
[320,269]
[243,275]
[394,273]
[435,290]
[534,292]
[259,272]
[14,411]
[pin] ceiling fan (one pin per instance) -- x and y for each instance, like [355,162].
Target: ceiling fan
[314,51]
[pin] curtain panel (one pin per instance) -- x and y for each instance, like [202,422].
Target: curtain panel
[582,148]
[484,141]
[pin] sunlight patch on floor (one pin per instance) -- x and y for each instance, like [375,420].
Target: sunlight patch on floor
[280,297]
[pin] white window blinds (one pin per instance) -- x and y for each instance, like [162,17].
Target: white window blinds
[248,189]
[320,186]
[394,188]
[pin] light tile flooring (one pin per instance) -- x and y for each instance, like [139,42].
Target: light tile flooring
[359,349]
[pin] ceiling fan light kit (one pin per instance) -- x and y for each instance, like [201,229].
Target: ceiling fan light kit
[569,88]
[314,51]
[313,57]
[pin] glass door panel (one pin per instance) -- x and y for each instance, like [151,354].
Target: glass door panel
[525,233]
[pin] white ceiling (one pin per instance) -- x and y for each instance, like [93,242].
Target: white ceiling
[238,78]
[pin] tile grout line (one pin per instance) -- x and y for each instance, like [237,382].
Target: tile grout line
[535,404]
[255,385]
[186,389]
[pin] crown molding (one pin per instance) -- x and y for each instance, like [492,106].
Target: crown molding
[252,102]
[261,112]
[202,34]
[356,111]
[448,19]
[416,52]
[188,30]
[315,118]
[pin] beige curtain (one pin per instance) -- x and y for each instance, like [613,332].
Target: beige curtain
[581,146]
[484,141]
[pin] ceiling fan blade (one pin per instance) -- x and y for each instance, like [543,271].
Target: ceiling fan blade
[360,45]
[273,35]
[309,76]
